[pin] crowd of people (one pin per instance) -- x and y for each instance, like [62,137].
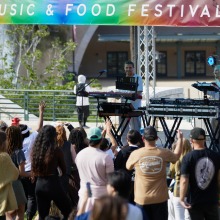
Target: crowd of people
[47,174]
[83,180]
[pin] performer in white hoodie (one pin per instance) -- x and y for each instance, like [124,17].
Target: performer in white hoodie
[81,90]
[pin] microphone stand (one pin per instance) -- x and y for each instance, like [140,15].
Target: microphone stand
[100,73]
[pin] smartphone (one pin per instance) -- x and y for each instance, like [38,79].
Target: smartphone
[89,189]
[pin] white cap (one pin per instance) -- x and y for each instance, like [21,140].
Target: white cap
[24,128]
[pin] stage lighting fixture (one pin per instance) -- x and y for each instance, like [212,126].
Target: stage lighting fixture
[211,60]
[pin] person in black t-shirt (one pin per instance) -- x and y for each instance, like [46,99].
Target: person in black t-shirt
[199,176]
[135,141]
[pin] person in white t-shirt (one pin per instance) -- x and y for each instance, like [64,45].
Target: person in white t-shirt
[28,142]
[118,186]
[93,166]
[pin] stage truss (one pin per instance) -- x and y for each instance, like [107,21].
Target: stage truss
[146,59]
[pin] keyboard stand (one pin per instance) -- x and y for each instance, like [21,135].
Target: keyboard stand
[125,118]
[171,133]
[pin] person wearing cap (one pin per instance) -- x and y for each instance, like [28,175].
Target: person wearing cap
[199,180]
[150,183]
[15,121]
[28,142]
[81,89]
[93,165]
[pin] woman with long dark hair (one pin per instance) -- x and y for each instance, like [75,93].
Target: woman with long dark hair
[14,149]
[47,165]
[78,139]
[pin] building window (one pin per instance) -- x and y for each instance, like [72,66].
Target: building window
[195,63]
[161,64]
[115,63]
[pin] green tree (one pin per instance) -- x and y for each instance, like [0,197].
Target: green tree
[26,45]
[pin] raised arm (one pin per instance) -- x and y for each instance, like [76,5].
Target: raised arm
[42,106]
[179,144]
[108,127]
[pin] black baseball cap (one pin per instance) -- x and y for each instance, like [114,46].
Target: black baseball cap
[197,134]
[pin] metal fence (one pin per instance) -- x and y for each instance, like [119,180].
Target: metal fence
[60,105]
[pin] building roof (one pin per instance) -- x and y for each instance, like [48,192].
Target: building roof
[171,34]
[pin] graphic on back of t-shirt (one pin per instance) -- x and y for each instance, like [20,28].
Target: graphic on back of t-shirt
[204,172]
[151,164]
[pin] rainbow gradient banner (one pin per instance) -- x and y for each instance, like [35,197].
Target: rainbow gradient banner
[111,12]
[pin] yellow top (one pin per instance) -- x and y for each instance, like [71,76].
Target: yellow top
[9,173]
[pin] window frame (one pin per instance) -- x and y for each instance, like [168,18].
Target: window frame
[117,65]
[160,74]
[194,63]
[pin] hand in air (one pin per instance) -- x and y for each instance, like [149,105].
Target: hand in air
[179,134]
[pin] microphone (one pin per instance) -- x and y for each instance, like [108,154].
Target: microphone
[102,71]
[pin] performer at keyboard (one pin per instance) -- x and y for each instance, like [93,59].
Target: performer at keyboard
[214,94]
[82,100]
[135,122]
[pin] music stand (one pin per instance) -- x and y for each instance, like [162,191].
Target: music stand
[127,83]
[130,84]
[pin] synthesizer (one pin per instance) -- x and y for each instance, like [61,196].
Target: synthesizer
[183,107]
[112,94]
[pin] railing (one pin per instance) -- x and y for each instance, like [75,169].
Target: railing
[24,104]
